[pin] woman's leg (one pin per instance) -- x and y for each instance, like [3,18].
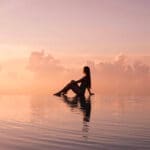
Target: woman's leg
[71,86]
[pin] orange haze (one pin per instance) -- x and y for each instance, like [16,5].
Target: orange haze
[43,73]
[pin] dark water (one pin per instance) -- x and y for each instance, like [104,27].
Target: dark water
[100,122]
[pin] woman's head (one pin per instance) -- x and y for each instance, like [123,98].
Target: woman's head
[87,72]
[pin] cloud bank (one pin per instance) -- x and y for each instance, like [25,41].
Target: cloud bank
[42,73]
[120,76]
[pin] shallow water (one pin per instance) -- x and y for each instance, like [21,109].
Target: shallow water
[100,122]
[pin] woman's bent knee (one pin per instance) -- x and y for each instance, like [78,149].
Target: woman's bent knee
[72,81]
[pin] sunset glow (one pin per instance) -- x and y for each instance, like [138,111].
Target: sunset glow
[100,27]
[40,39]
[74,74]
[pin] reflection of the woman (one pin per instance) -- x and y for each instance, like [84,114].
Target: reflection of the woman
[83,103]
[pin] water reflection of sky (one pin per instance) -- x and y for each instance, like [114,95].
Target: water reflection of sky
[105,119]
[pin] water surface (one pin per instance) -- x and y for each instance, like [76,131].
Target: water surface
[48,122]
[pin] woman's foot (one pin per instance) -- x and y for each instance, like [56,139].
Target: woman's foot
[57,94]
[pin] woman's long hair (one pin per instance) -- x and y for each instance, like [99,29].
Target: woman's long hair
[87,71]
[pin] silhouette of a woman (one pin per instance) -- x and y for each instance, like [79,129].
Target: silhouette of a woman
[78,87]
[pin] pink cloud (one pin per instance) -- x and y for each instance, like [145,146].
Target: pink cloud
[43,65]
[41,72]
[121,76]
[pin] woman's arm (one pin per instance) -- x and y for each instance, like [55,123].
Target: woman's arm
[90,93]
[80,80]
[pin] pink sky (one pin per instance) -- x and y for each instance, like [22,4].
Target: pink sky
[74,33]
[97,27]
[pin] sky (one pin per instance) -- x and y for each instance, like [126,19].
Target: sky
[42,41]
[74,27]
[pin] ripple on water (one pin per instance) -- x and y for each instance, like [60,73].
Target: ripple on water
[43,126]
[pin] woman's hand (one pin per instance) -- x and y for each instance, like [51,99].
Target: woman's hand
[89,90]
[91,94]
